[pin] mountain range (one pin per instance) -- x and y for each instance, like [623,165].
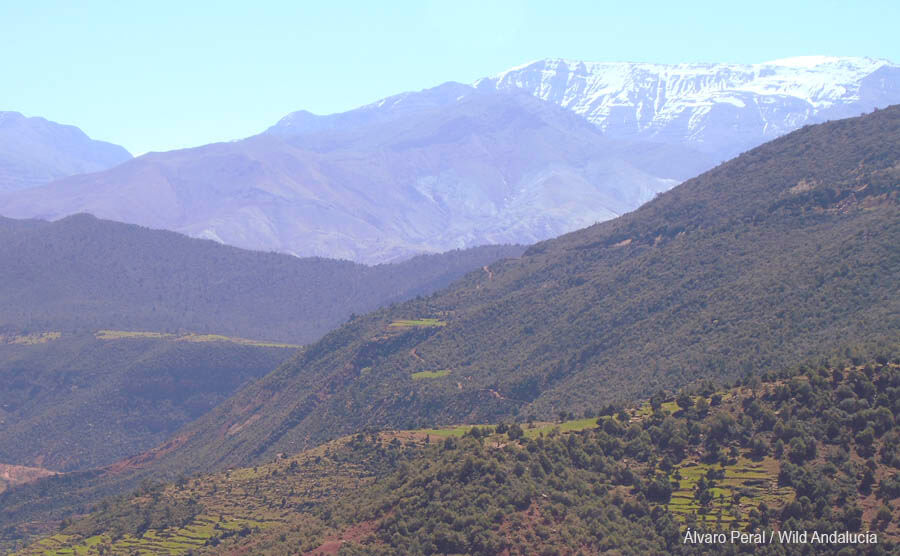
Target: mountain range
[779,255]
[532,153]
[458,168]
[35,151]
[783,255]
[718,109]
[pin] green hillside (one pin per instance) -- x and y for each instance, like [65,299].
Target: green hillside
[785,252]
[75,401]
[817,449]
[84,274]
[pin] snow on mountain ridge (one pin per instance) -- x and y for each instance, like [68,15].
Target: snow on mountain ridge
[721,108]
[803,80]
[813,61]
[303,121]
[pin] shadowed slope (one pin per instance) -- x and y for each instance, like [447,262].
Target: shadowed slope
[89,274]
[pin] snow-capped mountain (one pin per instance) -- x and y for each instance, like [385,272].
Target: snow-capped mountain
[721,109]
[462,165]
[34,151]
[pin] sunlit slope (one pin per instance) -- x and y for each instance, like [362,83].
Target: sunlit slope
[809,449]
[770,258]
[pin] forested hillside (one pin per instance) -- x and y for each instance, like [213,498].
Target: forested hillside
[75,401]
[811,449]
[85,274]
[784,252]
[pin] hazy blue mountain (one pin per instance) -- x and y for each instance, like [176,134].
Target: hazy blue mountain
[442,169]
[35,151]
[512,159]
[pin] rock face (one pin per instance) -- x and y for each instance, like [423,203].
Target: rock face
[447,168]
[721,109]
[35,151]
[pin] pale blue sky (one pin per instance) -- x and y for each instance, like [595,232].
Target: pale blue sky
[161,75]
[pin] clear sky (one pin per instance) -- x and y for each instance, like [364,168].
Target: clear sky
[161,75]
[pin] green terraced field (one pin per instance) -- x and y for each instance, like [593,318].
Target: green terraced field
[757,481]
[126,334]
[197,338]
[418,323]
[446,432]
[30,339]
[536,429]
[169,542]
[566,426]
[252,499]
[235,503]
[430,374]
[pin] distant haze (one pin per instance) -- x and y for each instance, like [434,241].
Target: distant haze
[447,168]
[34,151]
[166,75]
[529,154]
